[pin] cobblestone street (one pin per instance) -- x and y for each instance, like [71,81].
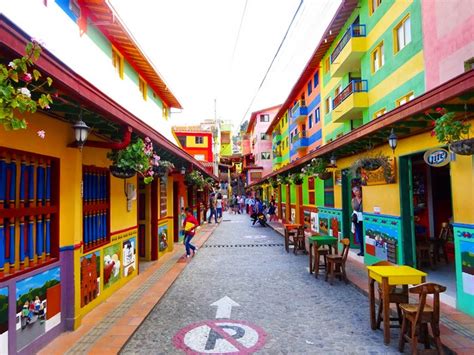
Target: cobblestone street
[298,313]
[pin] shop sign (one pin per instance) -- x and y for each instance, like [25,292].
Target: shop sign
[437,157]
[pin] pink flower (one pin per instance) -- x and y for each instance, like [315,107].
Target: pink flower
[439,109]
[147,140]
[41,134]
[27,77]
[433,133]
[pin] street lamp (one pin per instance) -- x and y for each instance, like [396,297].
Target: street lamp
[183,170]
[392,140]
[81,131]
[332,160]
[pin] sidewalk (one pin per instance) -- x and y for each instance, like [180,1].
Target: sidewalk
[107,328]
[457,328]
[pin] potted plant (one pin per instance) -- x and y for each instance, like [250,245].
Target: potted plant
[163,168]
[318,167]
[371,163]
[195,178]
[453,132]
[283,179]
[273,183]
[22,89]
[297,178]
[136,158]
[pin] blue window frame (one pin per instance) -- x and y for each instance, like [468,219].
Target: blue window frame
[317,115]
[316,79]
[310,87]
[310,121]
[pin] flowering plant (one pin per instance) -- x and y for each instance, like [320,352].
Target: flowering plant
[273,182]
[18,81]
[195,178]
[297,178]
[138,157]
[283,179]
[316,166]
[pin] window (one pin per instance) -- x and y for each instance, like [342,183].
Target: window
[373,5]
[469,64]
[317,115]
[310,121]
[287,142]
[199,140]
[264,137]
[310,87]
[316,79]
[326,65]
[165,112]
[337,91]
[329,192]
[266,155]
[264,118]
[380,113]
[182,141]
[402,34]
[199,157]
[163,198]
[30,205]
[311,188]
[327,107]
[96,207]
[377,58]
[142,87]
[403,100]
[117,62]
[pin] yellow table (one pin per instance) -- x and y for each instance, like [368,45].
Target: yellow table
[389,276]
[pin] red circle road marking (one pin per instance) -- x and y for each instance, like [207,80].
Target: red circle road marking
[194,338]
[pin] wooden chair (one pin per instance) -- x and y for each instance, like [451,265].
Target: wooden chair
[337,263]
[298,240]
[397,295]
[423,254]
[318,253]
[419,315]
[289,238]
[440,243]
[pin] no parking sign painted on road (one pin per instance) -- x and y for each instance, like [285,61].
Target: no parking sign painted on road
[220,336]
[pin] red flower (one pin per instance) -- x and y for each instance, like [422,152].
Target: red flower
[433,133]
[439,109]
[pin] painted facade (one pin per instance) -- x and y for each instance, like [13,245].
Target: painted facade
[195,141]
[260,141]
[71,234]
[383,68]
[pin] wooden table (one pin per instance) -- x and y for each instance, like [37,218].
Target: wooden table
[317,241]
[389,276]
[288,228]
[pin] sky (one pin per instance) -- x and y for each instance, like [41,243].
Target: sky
[198,49]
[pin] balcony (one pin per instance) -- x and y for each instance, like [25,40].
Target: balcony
[348,52]
[350,103]
[276,137]
[277,158]
[300,141]
[299,112]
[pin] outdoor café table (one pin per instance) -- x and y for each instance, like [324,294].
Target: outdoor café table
[315,242]
[288,228]
[389,276]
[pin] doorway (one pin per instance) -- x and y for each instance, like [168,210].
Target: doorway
[430,234]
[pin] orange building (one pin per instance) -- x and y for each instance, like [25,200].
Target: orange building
[197,142]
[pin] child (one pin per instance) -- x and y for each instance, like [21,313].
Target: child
[190,224]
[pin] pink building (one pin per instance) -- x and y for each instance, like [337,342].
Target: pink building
[260,141]
[448,39]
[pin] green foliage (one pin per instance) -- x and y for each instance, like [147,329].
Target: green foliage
[20,89]
[195,178]
[297,178]
[166,164]
[283,179]
[273,182]
[138,156]
[447,129]
[315,167]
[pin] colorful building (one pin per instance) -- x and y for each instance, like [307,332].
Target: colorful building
[197,142]
[72,233]
[278,130]
[225,129]
[260,142]
[391,69]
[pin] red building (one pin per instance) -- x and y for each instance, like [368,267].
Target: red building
[196,142]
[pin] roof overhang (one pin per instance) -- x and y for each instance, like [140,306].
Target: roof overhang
[407,120]
[14,40]
[104,17]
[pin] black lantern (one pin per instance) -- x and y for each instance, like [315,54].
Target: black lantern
[81,131]
[392,140]
[183,170]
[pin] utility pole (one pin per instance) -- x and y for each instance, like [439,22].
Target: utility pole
[216,137]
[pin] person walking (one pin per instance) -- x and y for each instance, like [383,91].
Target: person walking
[219,206]
[241,204]
[190,224]
[272,211]
[357,217]
[212,209]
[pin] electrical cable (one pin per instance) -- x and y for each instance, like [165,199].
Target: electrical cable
[273,60]
[238,34]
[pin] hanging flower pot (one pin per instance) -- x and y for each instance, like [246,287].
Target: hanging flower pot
[371,164]
[463,147]
[160,171]
[324,176]
[122,173]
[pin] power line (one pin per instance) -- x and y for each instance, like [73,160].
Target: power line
[273,60]
[238,33]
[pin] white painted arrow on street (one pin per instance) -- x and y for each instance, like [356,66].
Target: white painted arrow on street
[224,307]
